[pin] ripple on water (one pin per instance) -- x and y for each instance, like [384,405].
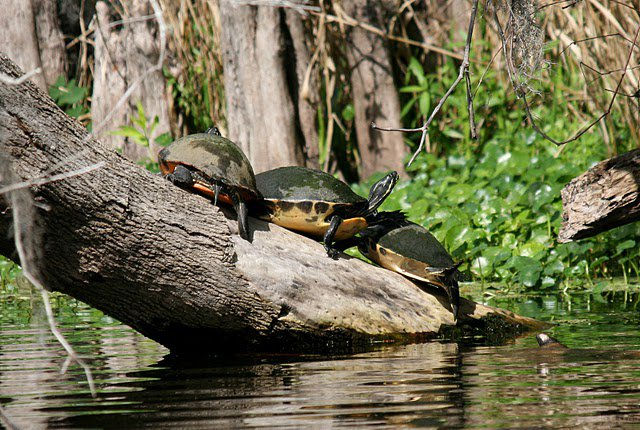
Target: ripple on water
[595,382]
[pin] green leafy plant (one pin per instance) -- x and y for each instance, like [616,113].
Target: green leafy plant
[140,132]
[72,98]
[9,271]
[495,202]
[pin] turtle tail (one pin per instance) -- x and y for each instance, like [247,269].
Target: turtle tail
[452,275]
[380,191]
[453,291]
[449,278]
[243,216]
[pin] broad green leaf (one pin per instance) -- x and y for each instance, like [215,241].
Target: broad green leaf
[425,103]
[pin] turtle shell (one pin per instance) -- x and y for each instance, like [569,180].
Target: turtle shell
[303,199]
[216,158]
[295,183]
[415,242]
[411,250]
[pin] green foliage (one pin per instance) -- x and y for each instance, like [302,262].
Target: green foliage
[495,202]
[140,133]
[72,98]
[9,271]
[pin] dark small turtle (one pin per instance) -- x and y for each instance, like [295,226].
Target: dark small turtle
[213,166]
[410,249]
[316,203]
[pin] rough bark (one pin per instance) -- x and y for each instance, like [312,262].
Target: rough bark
[265,113]
[123,54]
[604,197]
[306,91]
[170,264]
[53,55]
[375,97]
[18,37]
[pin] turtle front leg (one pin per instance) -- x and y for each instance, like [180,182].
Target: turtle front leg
[330,234]
[243,217]
[181,176]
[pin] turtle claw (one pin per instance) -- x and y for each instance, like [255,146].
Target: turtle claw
[332,252]
[329,236]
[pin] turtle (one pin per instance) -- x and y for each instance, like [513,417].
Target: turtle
[214,166]
[409,249]
[316,203]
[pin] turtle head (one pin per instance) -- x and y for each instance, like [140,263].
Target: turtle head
[379,224]
[214,131]
[380,191]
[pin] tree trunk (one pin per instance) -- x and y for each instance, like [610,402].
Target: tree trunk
[375,97]
[171,265]
[306,90]
[604,197]
[123,54]
[53,54]
[31,36]
[261,73]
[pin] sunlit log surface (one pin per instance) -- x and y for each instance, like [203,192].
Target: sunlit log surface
[604,197]
[171,265]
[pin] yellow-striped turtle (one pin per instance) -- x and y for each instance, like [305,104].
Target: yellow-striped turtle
[215,167]
[410,249]
[316,203]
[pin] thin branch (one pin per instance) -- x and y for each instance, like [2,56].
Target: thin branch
[299,7]
[404,130]
[27,272]
[604,36]
[17,81]
[521,94]
[352,22]
[465,70]
[125,21]
[486,70]
[48,179]
[462,73]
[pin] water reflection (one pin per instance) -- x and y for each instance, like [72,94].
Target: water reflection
[595,382]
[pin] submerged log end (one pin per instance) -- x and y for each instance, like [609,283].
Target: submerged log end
[604,197]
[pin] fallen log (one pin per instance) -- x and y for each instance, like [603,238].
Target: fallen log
[604,197]
[171,265]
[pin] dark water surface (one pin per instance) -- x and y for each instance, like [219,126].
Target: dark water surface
[469,384]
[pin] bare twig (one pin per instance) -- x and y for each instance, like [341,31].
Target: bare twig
[299,7]
[29,272]
[17,81]
[48,179]
[462,73]
[352,22]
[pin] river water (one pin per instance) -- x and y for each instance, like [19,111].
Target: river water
[594,383]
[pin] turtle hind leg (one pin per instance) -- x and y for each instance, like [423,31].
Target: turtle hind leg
[243,216]
[330,234]
[181,176]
